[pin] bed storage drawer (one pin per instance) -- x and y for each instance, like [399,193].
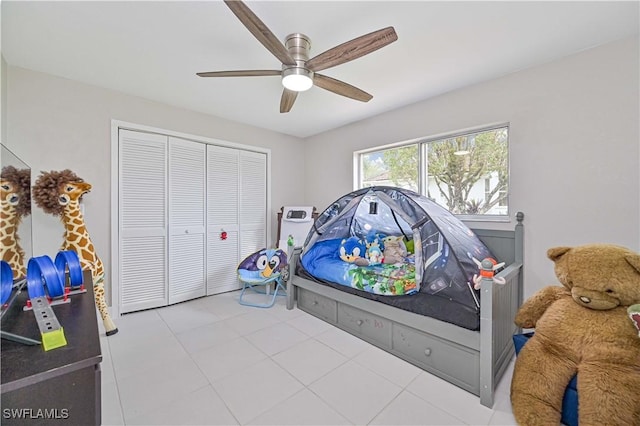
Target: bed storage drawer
[320,306]
[456,363]
[365,324]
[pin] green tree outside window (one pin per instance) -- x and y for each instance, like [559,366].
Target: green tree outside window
[467,174]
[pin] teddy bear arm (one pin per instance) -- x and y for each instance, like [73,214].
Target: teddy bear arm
[534,307]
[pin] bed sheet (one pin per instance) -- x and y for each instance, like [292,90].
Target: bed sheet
[323,262]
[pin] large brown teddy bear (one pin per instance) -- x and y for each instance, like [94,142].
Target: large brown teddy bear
[582,328]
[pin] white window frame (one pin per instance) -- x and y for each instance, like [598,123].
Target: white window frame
[423,165]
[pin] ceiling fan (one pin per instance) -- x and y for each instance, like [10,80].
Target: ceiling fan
[299,73]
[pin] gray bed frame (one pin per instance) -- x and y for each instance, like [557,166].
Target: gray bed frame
[472,360]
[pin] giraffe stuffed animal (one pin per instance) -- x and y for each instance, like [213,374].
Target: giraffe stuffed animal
[59,193]
[15,204]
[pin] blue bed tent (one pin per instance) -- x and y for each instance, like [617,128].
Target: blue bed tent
[444,246]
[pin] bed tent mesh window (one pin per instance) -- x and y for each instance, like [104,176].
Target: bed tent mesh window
[444,246]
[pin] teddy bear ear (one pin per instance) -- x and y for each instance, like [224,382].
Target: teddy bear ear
[557,252]
[633,260]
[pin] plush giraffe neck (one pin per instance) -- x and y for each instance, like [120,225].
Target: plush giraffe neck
[76,238]
[11,251]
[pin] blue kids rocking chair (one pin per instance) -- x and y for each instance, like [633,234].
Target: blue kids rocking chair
[259,270]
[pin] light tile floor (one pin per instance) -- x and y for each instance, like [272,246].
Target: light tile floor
[212,361]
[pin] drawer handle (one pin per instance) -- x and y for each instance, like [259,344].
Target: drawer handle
[359,322]
[427,352]
[315,302]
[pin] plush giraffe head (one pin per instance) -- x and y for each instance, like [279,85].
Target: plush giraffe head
[8,193]
[15,203]
[15,191]
[55,190]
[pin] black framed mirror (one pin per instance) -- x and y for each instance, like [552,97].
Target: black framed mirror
[15,213]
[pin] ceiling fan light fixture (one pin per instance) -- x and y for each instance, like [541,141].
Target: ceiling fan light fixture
[298,72]
[297,79]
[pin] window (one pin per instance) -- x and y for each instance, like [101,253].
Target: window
[468,173]
[391,167]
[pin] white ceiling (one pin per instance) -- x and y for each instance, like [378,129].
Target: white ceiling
[153,49]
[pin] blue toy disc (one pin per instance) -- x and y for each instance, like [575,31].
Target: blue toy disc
[6,281]
[69,259]
[41,271]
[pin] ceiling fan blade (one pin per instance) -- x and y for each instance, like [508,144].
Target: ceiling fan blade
[287,100]
[260,31]
[242,73]
[341,88]
[353,49]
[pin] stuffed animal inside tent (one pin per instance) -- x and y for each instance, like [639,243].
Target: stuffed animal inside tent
[374,238]
[352,250]
[394,249]
[375,255]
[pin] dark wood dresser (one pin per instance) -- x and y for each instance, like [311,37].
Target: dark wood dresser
[59,386]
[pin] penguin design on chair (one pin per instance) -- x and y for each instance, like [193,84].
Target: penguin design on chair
[262,268]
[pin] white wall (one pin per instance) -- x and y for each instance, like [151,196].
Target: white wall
[3,92]
[3,99]
[574,148]
[55,123]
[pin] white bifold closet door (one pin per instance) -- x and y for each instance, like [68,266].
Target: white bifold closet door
[177,198]
[143,220]
[236,197]
[187,173]
[253,199]
[223,186]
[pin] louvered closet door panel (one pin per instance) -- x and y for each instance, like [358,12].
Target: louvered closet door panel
[222,262]
[253,202]
[251,240]
[186,267]
[142,279]
[142,220]
[222,216]
[222,185]
[187,185]
[253,181]
[187,174]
